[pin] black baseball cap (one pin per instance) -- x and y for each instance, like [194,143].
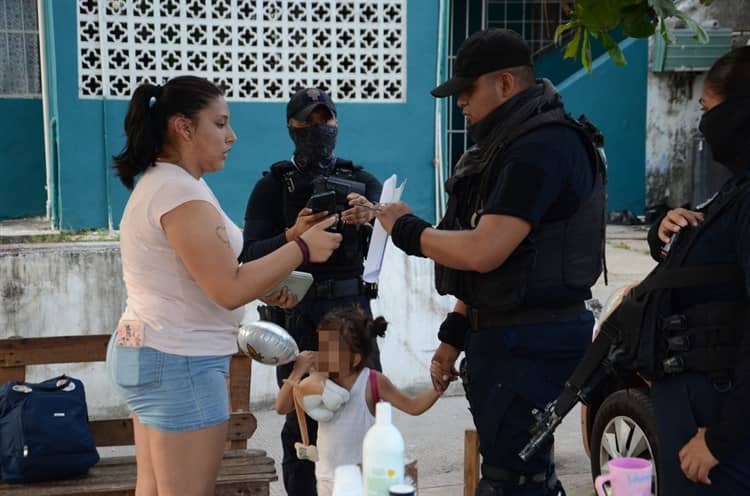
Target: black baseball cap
[482,52]
[304,101]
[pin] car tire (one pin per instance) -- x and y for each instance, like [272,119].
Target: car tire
[625,425]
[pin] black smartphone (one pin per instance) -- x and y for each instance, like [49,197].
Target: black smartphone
[323,202]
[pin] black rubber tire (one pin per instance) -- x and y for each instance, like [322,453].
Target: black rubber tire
[637,405]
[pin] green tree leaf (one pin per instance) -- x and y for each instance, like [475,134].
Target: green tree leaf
[571,49]
[586,51]
[613,49]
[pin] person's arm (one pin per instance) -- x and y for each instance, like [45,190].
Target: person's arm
[196,231]
[491,243]
[305,362]
[407,404]
[264,226]
[262,233]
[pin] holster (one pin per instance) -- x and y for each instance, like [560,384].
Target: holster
[273,314]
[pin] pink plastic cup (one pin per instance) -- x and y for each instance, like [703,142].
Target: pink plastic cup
[626,477]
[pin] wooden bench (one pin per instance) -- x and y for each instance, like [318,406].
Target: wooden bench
[243,472]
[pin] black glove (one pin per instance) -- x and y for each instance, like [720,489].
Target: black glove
[453,330]
[406,232]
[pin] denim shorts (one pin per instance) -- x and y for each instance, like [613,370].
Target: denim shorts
[170,393]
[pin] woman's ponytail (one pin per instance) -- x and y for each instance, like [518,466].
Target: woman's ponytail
[143,131]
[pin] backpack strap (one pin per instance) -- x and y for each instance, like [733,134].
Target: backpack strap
[374,385]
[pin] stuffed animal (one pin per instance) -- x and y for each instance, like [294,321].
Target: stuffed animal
[319,397]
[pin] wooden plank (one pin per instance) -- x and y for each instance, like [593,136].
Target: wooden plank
[239,392]
[471,462]
[119,432]
[15,352]
[114,477]
[8,374]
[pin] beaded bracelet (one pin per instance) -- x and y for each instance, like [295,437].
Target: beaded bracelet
[304,249]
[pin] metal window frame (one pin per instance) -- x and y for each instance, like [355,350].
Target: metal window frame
[7,30]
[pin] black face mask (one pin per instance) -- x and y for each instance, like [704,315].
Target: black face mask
[726,128]
[313,145]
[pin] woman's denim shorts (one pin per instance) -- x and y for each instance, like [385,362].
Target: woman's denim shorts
[171,393]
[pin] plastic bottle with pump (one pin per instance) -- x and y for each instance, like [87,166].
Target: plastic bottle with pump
[382,454]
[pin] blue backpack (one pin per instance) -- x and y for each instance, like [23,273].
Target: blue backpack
[44,433]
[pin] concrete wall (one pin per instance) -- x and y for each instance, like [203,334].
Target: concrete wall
[22,191]
[674,112]
[72,289]
[385,137]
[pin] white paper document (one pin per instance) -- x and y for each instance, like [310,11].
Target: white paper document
[374,262]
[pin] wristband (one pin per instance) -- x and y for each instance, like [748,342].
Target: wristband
[406,233]
[453,330]
[304,249]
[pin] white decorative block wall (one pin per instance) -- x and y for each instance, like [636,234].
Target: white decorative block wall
[258,50]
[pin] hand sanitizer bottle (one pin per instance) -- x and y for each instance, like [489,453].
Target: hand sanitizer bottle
[382,454]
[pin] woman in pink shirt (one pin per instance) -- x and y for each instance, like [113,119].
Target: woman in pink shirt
[169,357]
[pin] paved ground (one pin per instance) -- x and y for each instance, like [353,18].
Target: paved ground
[435,439]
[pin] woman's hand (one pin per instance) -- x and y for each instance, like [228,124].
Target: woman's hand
[696,460]
[320,242]
[305,220]
[362,211]
[283,299]
[677,219]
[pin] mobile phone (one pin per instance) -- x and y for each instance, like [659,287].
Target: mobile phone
[323,202]
[297,283]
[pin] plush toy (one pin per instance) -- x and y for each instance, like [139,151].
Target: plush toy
[319,397]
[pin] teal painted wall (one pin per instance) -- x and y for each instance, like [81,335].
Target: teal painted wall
[384,137]
[614,98]
[22,169]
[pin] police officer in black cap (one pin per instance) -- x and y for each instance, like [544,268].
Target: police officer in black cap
[279,210]
[520,246]
[702,392]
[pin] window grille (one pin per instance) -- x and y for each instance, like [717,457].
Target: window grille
[257,50]
[20,74]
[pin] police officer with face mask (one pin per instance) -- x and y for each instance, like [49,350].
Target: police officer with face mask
[702,390]
[279,209]
[520,246]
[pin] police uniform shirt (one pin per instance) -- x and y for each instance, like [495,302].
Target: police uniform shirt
[545,175]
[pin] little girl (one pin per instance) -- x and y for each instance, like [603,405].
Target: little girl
[346,338]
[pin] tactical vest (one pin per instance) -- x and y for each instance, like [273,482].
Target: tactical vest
[565,253]
[653,340]
[298,187]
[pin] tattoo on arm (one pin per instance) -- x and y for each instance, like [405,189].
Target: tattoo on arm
[221,233]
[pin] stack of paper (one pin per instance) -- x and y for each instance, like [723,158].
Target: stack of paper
[391,193]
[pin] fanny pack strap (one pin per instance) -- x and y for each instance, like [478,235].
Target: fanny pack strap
[374,386]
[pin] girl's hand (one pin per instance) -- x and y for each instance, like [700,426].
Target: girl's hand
[307,361]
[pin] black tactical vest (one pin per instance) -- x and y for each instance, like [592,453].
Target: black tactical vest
[653,340]
[298,187]
[566,253]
